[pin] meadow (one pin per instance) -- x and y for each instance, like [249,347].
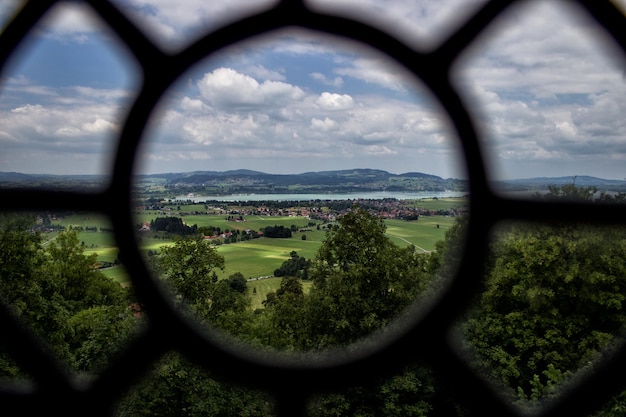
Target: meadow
[257,257]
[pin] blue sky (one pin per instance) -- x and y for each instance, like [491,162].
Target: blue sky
[546,88]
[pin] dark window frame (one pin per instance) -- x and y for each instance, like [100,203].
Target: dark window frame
[291,382]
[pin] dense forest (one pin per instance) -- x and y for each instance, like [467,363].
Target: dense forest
[554,299]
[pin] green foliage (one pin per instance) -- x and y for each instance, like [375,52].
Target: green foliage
[569,192]
[21,258]
[295,266]
[176,387]
[83,316]
[187,267]
[277,231]
[173,225]
[74,279]
[284,324]
[362,281]
[554,298]
[97,334]
[410,394]
[238,282]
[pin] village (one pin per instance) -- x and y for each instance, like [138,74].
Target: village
[326,211]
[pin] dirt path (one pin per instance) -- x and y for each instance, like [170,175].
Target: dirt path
[410,243]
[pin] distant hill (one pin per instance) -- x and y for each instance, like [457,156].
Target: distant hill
[246,181]
[49,181]
[337,181]
[542,183]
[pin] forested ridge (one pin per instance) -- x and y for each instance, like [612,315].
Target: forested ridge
[553,300]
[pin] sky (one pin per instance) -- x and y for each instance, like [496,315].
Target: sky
[545,86]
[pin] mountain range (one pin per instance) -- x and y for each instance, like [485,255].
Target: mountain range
[541,183]
[249,181]
[329,181]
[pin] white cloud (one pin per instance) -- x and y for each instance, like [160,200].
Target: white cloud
[227,87]
[546,87]
[331,101]
[73,22]
[175,23]
[325,125]
[263,73]
[374,71]
[100,94]
[192,105]
[379,150]
[98,126]
[542,84]
[52,123]
[271,123]
[65,129]
[420,22]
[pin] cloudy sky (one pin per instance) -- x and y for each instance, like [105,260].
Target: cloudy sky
[545,87]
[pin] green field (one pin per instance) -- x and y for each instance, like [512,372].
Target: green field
[440,203]
[219,220]
[423,233]
[117,273]
[257,257]
[259,288]
[260,257]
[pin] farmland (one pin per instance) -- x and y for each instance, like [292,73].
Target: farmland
[257,257]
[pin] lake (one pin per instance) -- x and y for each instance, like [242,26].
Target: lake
[379,195]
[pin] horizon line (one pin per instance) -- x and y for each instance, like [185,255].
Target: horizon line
[573,177]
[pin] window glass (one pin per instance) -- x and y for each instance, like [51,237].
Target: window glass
[175,24]
[552,307]
[549,90]
[63,94]
[420,23]
[302,163]
[62,278]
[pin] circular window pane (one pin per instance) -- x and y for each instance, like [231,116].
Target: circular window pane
[297,192]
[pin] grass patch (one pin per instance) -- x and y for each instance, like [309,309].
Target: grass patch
[259,288]
[440,203]
[117,273]
[105,254]
[423,233]
[258,257]
[220,220]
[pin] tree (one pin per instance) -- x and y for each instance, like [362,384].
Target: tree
[82,315]
[295,266]
[238,282]
[178,387]
[361,281]
[21,258]
[276,232]
[74,277]
[98,333]
[569,192]
[284,326]
[407,394]
[173,225]
[187,267]
[555,297]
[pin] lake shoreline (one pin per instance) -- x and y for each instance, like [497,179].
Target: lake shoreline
[377,195]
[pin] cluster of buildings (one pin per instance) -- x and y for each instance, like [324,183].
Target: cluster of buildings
[325,211]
